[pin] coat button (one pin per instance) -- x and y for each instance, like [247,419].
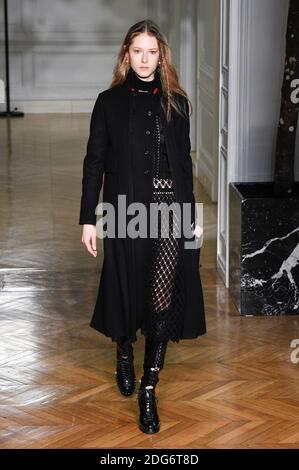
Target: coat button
[149,113]
[147,132]
[146,172]
[146,152]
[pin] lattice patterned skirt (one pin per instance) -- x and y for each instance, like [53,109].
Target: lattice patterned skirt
[165,308]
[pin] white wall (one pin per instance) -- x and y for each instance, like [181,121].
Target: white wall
[181,29]
[259,48]
[207,73]
[62,52]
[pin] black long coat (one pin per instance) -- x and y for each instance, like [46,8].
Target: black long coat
[122,289]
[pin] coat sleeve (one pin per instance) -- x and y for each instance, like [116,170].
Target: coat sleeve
[187,159]
[93,164]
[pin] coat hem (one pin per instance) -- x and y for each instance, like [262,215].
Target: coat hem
[143,332]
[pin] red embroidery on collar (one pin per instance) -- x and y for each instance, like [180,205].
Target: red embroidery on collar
[154,91]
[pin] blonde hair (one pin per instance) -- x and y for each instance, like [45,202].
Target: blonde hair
[168,75]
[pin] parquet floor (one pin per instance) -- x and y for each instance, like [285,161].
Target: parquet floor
[236,387]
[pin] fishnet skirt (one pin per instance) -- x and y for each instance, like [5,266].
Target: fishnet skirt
[165,306]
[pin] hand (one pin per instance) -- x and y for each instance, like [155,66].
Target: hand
[198,231]
[89,239]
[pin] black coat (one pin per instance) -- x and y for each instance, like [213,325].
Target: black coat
[121,296]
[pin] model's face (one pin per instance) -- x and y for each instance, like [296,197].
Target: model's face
[143,56]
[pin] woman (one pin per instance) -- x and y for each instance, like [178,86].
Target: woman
[139,137]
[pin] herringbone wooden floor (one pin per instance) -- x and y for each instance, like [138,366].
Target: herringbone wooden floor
[236,387]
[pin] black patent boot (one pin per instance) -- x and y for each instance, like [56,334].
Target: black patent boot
[149,421]
[125,373]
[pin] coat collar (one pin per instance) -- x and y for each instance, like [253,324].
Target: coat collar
[135,85]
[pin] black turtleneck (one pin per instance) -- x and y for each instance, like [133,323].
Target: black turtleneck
[145,87]
[146,93]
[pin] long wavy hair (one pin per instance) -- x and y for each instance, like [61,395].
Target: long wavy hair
[168,75]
